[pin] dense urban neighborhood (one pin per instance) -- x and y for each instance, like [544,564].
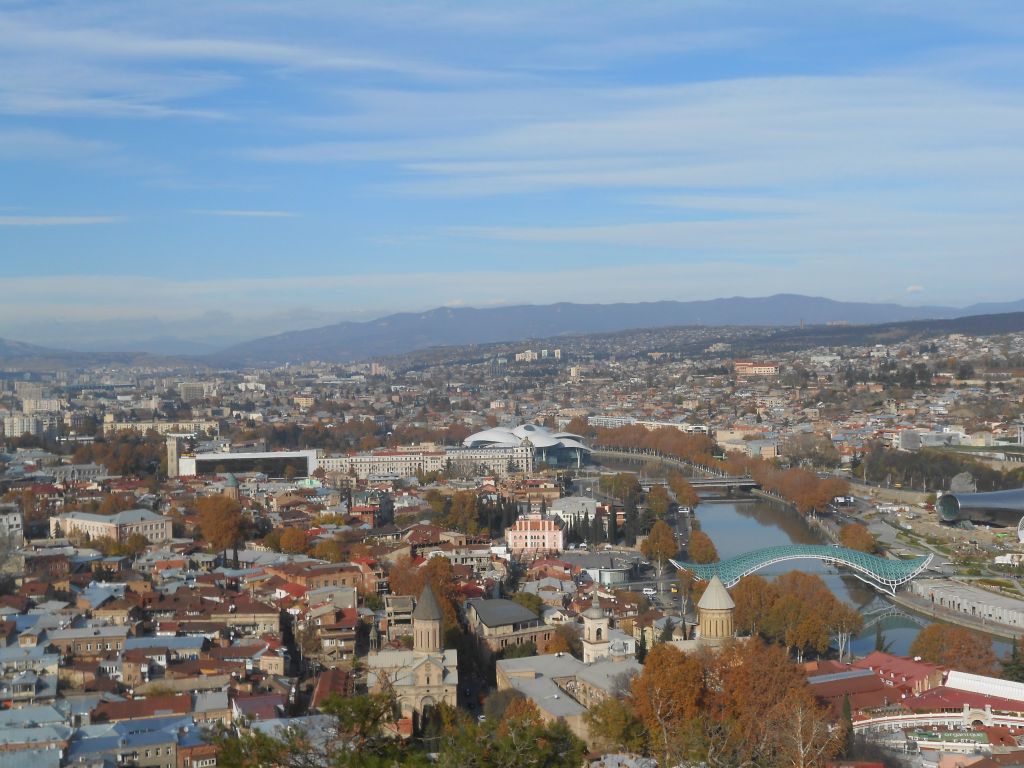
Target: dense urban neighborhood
[470,558]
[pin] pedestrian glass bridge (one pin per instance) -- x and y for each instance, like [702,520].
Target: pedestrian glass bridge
[880,572]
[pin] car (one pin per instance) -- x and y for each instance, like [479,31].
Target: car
[649,591]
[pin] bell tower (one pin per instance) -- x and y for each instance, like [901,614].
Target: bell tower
[595,632]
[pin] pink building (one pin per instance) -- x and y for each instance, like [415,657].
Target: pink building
[535,534]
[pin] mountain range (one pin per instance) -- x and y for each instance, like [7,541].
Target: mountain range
[404,332]
[408,331]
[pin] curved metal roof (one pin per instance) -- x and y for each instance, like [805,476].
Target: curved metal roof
[879,572]
[956,506]
[539,436]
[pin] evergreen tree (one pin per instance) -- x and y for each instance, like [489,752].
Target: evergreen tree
[629,530]
[846,724]
[613,533]
[1013,668]
[641,646]
[585,529]
[666,631]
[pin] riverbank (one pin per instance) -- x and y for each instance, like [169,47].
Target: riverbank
[826,527]
[730,540]
[946,616]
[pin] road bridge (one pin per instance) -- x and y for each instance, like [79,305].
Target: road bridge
[879,572]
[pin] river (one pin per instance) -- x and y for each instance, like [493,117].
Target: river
[744,525]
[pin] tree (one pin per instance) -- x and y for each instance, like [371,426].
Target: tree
[134,545]
[641,646]
[329,550]
[408,579]
[799,617]
[220,520]
[113,503]
[518,739]
[667,698]
[754,597]
[753,680]
[658,501]
[805,737]
[359,740]
[293,541]
[666,630]
[700,548]
[614,726]
[955,647]
[1013,667]
[660,545]
[529,601]
[498,701]
[519,650]
[843,623]
[685,493]
[463,514]
[858,537]
[566,640]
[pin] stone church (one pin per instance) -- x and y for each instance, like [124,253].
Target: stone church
[425,676]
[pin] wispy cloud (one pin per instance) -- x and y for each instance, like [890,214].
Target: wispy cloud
[56,221]
[248,214]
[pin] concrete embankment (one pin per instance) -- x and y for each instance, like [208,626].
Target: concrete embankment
[922,608]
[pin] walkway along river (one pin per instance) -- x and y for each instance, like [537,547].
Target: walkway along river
[744,524]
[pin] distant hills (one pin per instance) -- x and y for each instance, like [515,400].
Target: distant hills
[401,333]
[16,355]
[409,331]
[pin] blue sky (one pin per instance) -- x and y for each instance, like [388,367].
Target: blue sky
[220,170]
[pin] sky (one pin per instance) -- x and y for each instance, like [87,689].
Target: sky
[218,171]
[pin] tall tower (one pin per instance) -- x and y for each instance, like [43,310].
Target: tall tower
[595,632]
[427,619]
[231,486]
[714,612]
[172,456]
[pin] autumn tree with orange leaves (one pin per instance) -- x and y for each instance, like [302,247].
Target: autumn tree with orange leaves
[956,648]
[220,520]
[667,697]
[408,578]
[660,545]
[293,541]
[700,548]
[858,537]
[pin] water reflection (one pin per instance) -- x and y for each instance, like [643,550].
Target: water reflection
[740,526]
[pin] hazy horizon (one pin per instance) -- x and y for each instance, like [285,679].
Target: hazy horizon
[216,173]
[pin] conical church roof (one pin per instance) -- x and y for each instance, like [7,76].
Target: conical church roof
[427,607]
[716,597]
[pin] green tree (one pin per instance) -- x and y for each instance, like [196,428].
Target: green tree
[529,601]
[359,740]
[614,726]
[1013,667]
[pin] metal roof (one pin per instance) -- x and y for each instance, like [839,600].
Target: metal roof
[879,572]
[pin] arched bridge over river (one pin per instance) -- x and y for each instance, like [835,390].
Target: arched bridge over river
[880,572]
